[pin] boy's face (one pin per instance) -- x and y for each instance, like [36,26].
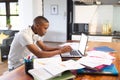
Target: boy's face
[42,29]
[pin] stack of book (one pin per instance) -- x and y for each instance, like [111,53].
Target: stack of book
[98,61]
[107,70]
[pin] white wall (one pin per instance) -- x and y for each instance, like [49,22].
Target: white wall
[37,8]
[95,16]
[28,9]
[84,14]
[57,31]
[104,16]
[116,18]
[25,13]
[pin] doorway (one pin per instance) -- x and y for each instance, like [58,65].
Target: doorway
[69,19]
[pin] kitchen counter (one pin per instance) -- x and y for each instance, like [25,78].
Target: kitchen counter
[115,37]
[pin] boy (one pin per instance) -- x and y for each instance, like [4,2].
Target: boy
[30,41]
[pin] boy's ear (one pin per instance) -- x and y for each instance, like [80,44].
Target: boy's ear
[36,25]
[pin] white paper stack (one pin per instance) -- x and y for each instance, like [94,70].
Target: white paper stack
[96,58]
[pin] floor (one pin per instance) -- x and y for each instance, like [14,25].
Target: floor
[4,65]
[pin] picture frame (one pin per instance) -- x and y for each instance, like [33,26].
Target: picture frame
[54,9]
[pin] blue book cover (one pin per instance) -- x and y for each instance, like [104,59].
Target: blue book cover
[104,48]
[108,70]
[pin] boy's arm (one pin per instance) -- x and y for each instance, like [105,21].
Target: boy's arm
[45,47]
[41,53]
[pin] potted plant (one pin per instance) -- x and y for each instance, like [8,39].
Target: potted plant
[8,24]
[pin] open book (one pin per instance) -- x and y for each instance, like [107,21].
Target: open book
[41,74]
[45,71]
[61,67]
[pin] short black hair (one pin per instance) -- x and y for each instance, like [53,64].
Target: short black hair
[40,20]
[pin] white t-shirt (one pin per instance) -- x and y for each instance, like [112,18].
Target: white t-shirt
[18,47]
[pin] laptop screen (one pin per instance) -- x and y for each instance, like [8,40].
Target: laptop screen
[83,43]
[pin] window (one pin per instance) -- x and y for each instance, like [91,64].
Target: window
[9,14]
[2,14]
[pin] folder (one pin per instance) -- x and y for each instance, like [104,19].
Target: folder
[64,76]
[104,48]
[108,70]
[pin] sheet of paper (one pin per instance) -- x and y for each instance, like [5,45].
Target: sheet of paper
[40,62]
[62,66]
[40,74]
[94,61]
[100,54]
[54,69]
[71,65]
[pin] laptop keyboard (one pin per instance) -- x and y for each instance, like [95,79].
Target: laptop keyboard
[74,53]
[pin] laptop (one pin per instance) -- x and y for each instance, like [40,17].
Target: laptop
[81,48]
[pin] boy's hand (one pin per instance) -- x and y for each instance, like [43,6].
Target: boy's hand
[65,49]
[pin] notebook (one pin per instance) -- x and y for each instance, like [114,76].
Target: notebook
[104,48]
[67,75]
[81,48]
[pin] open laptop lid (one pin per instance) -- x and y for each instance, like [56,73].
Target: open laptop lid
[83,43]
[81,48]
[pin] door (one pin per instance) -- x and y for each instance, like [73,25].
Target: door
[69,19]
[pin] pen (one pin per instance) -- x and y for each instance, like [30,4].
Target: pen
[28,57]
[32,58]
[25,60]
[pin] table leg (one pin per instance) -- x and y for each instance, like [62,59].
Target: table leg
[0,57]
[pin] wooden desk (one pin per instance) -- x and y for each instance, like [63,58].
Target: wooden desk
[19,73]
